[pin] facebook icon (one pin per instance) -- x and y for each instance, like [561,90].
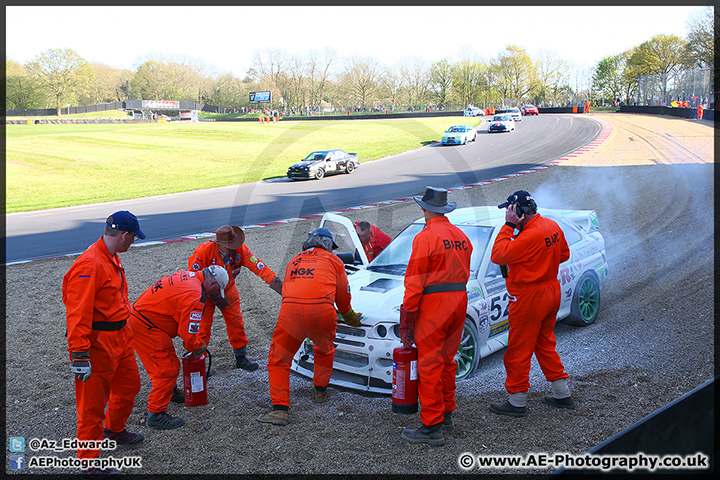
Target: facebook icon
[17,462]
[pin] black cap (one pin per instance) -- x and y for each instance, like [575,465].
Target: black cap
[521,197]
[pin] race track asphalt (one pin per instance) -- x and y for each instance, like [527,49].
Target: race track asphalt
[536,141]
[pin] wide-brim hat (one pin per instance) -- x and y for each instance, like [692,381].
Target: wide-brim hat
[230,237]
[435,200]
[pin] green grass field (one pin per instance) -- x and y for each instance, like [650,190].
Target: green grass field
[49,166]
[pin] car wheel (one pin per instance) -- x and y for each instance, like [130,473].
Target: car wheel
[468,354]
[585,303]
[319,174]
[349,167]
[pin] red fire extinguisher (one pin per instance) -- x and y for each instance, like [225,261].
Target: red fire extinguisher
[405,380]
[195,379]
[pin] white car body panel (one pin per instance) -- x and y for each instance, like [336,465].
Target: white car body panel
[363,356]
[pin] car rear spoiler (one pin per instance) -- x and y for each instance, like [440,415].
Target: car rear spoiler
[586,219]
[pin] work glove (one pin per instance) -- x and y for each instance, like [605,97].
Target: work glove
[407,326]
[276,285]
[80,366]
[352,318]
[219,301]
[200,350]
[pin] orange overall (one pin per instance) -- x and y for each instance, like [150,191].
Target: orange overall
[208,253]
[440,255]
[315,281]
[533,258]
[95,295]
[377,243]
[173,306]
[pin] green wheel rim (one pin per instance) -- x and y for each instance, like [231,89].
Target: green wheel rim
[467,352]
[588,299]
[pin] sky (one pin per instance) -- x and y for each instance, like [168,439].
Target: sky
[225,39]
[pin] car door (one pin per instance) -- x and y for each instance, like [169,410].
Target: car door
[350,250]
[341,160]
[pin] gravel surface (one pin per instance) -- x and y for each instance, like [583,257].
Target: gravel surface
[651,184]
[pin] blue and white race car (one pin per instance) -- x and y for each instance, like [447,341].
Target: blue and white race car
[363,355]
[459,135]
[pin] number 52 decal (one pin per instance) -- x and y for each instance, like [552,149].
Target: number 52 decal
[499,306]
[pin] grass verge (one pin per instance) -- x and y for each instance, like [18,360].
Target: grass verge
[50,166]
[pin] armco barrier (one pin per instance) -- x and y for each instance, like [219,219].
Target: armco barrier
[574,109]
[684,426]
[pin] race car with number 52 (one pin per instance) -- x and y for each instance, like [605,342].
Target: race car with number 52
[363,355]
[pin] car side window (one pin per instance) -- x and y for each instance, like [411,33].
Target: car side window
[493,270]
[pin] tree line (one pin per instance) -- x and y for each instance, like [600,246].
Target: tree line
[58,78]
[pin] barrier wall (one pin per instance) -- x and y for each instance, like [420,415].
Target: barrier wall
[675,112]
[682,427]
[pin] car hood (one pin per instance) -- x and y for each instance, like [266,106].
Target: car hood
[304,163]
[377,296]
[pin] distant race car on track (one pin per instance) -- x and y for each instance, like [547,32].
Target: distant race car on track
[514,112]
[530,110]
[459,135]
[324,162]
[363,355]
[501,122]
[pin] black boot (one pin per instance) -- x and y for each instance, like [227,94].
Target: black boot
[431,435]
[178,396]
[241,361]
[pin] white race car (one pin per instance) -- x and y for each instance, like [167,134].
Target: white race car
[363,355]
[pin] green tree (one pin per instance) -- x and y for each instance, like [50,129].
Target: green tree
[608,78]
[662,55]
[416,79]
[62,73]
[517,73]
[21,90]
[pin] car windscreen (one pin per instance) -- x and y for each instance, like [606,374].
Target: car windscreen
[394,259]
[315,156]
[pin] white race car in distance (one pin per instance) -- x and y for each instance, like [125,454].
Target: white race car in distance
[363,355]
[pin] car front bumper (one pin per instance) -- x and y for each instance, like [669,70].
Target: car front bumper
[360,363]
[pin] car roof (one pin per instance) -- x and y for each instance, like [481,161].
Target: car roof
[325,151]
[492,216]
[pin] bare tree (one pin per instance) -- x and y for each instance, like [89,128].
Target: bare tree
[416,77]
[319,72]
[360,80]
[441,80]
[701,36]
[391,86]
